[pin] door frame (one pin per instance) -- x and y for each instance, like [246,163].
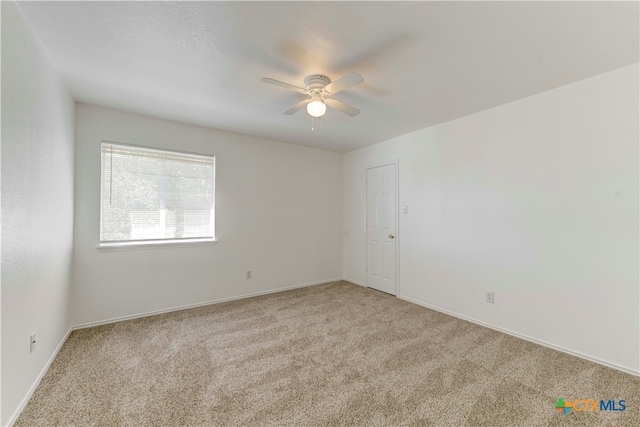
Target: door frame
[396,163]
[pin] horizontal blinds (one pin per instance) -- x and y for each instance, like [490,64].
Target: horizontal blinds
[150,194]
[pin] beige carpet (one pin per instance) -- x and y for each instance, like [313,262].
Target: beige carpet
[335,354]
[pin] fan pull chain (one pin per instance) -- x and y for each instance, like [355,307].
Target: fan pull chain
[321,123]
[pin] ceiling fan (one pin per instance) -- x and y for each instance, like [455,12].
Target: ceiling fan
[320,91]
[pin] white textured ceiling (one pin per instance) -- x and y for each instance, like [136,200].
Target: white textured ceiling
[423,62]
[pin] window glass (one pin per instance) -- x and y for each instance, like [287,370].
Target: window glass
[149,194]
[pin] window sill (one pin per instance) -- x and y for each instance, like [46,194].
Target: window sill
[157,244]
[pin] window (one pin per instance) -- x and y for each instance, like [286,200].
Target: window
[155,196]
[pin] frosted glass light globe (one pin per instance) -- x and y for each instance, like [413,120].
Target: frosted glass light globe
[316,108]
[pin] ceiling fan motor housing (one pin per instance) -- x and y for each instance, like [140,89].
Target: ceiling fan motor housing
[316,82]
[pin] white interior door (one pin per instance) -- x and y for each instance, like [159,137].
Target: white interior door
[381,228]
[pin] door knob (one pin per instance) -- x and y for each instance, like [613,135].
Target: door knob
[391,236]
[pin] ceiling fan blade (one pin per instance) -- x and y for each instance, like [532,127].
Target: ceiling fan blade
[284,85]
[341,106]
[345,82]
[299,106]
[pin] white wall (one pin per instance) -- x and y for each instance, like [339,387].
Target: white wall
[37,208]
[536,200]
[278,213]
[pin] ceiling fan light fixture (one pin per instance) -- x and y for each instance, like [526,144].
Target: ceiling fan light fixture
[320,90]
[316,108]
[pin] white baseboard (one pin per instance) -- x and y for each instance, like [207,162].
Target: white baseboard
[355,282]
[36,383]
[199,304]
[526,338]
[44,370]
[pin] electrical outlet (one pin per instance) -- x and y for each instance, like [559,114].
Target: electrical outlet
[32,342]
[249,274]
[405,209]
[489,297]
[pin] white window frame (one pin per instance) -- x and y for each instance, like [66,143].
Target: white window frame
[109,245]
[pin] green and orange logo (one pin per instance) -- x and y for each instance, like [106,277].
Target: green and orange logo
[583,405]
[564,406]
